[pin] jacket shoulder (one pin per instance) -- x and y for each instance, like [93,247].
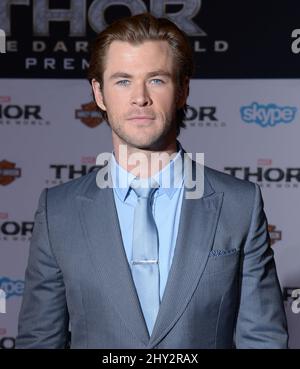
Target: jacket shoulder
[69,190]
[238,193]
[223,182]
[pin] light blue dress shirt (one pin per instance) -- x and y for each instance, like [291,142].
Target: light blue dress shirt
[166,209]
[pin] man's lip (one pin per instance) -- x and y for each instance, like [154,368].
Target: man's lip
[141,117]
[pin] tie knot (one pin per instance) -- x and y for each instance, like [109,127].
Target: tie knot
[144,188]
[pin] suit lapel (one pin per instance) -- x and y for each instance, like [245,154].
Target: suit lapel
[198,221]
[100,224]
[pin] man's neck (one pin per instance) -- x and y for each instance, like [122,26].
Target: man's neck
[144,163]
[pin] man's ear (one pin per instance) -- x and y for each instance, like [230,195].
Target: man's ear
[184,93]
[98,94]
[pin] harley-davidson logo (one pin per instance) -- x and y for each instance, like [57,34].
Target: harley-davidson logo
[89,114]
[275,235]
[8,172]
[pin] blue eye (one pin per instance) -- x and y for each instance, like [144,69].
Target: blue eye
[123,82]
[157,81]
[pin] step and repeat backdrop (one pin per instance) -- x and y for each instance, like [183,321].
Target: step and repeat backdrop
[244,114]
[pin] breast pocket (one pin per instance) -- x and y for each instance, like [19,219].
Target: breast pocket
[222,262]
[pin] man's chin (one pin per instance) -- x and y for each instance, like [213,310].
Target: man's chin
[143,146]
[149,145]
[143,143]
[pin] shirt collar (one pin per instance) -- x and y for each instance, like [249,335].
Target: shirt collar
[169,178]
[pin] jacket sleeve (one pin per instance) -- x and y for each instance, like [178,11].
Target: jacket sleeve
[43,319]
[261,321]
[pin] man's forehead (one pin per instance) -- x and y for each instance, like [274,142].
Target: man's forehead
[154,55]
[118,44]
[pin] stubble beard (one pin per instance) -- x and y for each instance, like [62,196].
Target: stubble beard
[156,141]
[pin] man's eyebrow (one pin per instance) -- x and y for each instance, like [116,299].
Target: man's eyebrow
[159,72]
[120,75]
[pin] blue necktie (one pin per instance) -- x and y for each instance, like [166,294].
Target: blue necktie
[144,264]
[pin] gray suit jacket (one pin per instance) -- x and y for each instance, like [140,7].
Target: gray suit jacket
[222,290]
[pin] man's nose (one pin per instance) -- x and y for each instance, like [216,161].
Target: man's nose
[140,96]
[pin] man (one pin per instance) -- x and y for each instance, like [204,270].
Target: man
[126,269]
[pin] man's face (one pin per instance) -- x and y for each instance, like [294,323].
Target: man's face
[139,94]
